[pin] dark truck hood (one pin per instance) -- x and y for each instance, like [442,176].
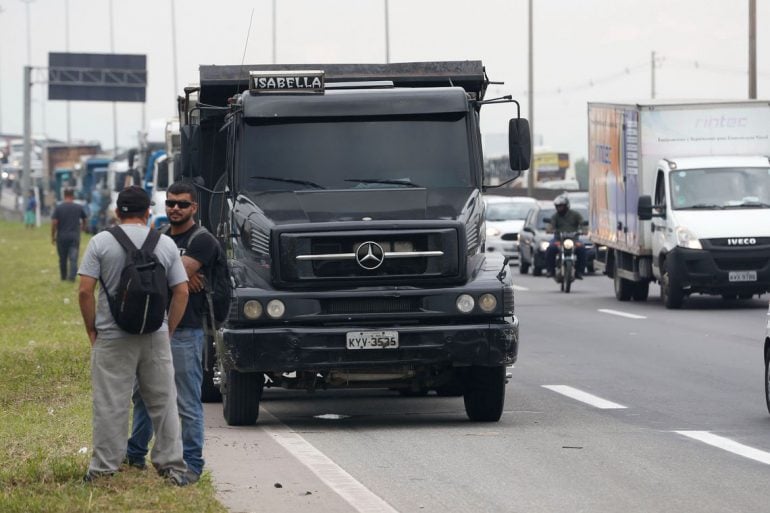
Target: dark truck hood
[290,207]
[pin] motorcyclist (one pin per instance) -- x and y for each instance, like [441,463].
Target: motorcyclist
[565,220]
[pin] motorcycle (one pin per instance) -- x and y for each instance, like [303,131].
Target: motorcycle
[566,259]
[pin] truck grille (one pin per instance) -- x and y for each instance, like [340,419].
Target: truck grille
[374,256]
[740,264]
[370,305]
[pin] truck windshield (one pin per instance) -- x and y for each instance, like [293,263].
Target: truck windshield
[355,153]
[720,188]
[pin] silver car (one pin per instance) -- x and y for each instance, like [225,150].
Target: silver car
[504,219]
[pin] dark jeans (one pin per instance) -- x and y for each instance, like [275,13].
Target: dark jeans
[69,249]
[187,353]
[550,258]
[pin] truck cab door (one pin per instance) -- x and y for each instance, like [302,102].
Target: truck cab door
[659,225]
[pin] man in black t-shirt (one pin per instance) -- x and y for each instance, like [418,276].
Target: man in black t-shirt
[67,221]
[187,341]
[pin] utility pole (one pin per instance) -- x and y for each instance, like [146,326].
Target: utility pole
[274,30]
[114,104]
[173,48]
[652,76]
[387,33]
[752,49]
[26,164]
[1,74]
[67,48]
[531,100]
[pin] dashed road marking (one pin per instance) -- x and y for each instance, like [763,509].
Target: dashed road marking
[519,287]
[728,445]
[345,485]
[621,314]
[584,397]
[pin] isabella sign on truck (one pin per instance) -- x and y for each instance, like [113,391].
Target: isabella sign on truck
[673,186]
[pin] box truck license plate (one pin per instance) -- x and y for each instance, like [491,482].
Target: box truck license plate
[742,276]
[372,339]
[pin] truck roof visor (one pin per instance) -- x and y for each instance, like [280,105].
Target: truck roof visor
[405,101]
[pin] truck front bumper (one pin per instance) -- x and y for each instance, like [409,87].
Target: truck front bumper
[309,348]
[721,272]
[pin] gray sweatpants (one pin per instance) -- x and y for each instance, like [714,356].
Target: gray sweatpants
[115,365]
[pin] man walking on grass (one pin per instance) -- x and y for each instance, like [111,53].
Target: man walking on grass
[67,221]
[119,358]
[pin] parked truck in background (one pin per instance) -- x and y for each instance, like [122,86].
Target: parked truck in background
[60,161]
[680,194]
[349,202]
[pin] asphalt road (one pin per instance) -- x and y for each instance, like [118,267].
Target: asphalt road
[675,422]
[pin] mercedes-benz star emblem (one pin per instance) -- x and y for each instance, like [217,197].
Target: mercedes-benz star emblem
[370,255]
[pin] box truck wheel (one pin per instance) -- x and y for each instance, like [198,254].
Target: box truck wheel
[240,397]
[484,393]
[641,290]
[623,288]
[670,290]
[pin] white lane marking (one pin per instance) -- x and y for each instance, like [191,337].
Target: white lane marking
[728,445]
[519,287]
[621,314]
[346,486]
[584,397]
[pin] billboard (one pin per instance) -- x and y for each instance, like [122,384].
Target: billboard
[97,77]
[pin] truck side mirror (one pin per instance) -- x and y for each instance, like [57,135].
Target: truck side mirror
[519,144]
[644,208]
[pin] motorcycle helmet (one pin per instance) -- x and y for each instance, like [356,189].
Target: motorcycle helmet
[561,200]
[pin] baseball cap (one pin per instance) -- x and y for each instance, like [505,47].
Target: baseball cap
[133,199]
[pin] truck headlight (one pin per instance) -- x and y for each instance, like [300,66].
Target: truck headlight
[488,302]
[687,239]
[544,245]
[276,308]
[465,303]
[252,309]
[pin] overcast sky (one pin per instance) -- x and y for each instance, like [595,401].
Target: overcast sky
[585,50]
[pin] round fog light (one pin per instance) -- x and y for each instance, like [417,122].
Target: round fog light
[465,303]
[276,308]
[252,309]
[488,302]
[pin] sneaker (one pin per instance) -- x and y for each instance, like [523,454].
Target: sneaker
[174,477]
[578,276]
[93,475]
[131,462]
[192,477]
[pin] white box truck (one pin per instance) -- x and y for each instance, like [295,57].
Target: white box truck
[680,194]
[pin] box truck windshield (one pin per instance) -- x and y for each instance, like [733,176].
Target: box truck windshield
[354,153]
[720,188]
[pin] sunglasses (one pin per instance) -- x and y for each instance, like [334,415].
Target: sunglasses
[180,204]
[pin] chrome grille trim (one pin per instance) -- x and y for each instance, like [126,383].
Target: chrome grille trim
[386,254]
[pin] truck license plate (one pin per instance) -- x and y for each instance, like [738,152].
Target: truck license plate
[372,339]
[742,276]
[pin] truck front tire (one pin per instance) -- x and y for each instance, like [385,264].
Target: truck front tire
[670,291]
[240,397]
[484,393]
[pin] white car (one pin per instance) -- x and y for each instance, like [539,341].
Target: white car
[504,219]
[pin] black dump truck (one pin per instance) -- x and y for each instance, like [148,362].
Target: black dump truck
[348,198]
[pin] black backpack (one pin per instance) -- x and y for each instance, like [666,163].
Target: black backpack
[139,303]
[218,289]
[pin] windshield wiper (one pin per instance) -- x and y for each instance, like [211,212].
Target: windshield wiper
[289,180]
[704,206]
[404,181]
[753,204]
